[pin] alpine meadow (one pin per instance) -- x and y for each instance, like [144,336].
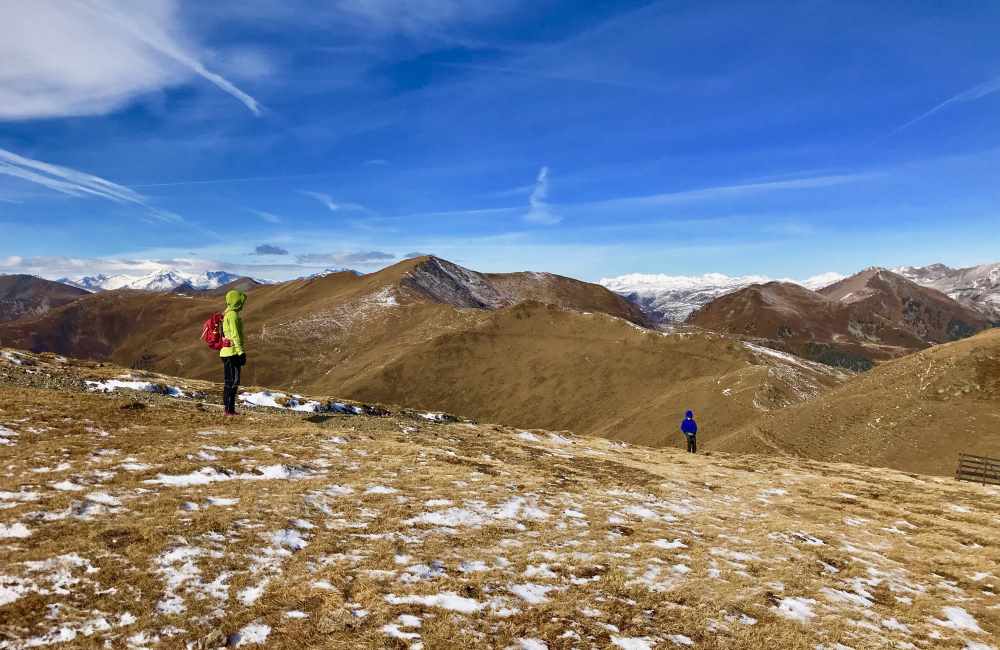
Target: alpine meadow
[433,324]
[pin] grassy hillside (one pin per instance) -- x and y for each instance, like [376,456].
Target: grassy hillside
[139,520]
[535,365]
[916,413]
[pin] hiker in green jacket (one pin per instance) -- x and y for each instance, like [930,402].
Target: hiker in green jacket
[234,357]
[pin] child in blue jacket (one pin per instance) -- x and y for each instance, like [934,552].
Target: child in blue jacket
[690,429]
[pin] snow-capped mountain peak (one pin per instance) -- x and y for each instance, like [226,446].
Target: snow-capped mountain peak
[817,282]
[326,272]
[672,298]
[976,286]
[160,280]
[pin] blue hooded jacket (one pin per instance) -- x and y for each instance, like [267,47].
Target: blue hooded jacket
[689,427]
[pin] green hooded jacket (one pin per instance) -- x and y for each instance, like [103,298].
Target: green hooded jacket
[232,324]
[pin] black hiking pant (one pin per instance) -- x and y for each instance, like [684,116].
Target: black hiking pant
[231,370]
[692,444]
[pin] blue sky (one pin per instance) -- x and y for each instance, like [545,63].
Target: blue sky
[584,138]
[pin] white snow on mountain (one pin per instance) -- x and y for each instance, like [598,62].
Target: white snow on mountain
[326,272]
[976,286]
[817,282]
[672,298]
[162,280]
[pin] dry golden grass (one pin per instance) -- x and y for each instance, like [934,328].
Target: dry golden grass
[346,518]
[916,413]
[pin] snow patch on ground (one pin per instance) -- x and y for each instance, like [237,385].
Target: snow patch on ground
[633,642]
[957,618]
[14,531]
[207,475]
[445,600]
[796,609]
[531,593]
[111,385]
[252,634]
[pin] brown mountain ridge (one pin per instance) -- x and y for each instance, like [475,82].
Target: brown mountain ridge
[28,296]
[873,315]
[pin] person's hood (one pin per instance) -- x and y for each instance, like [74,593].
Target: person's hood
[689,415]
[235,300]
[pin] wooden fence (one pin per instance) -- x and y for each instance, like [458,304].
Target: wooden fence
[978,469]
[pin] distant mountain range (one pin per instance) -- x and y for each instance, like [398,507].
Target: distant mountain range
[873,315]
[167,280]
[672,298]
[173,280]
[852,322]
[976,286]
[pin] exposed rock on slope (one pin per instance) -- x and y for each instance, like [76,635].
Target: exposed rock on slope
[977,287]
[889,308]
[27,296]
[916,413]
[447,283]
[870,316]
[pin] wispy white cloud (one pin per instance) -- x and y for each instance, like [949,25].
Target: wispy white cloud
[420,17]
[55,266]
[248,62]
[75,183]
[729,191]
[538,208]
[522,190]
[267,216]
[972,94]
[232,179]
[334,206]
[472,213]
[90,57]
[129,18]
[64,179]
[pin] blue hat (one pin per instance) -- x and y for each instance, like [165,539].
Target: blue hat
[689,414]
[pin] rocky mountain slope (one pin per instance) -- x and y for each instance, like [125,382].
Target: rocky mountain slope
[977,287]
[434,335]
[917,413]
[139,520]
[872,315]
[27,296]
[672,298]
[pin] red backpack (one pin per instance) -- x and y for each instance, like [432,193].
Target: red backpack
[211,333]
